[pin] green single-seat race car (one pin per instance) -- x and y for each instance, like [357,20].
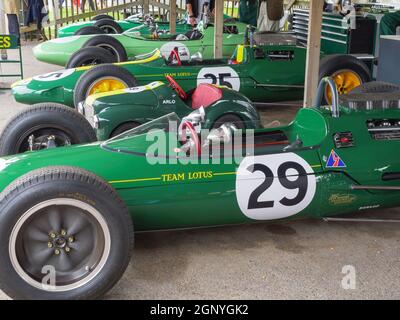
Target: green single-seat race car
[108,114]
[273,70]
[106,24]
[68,215]
[125,46]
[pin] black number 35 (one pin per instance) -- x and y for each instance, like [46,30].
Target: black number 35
[221,78]
[301,183]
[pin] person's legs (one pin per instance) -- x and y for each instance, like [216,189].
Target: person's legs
[13,24]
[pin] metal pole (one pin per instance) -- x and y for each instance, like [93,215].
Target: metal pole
[3,52]
[218,28]
[313,51]
[172,16]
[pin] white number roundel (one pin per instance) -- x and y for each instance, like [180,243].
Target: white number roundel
[222,76]
[274,186]
[56,75]
[184,53]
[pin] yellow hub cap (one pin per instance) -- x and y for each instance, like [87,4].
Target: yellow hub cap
[345,80]
[105,85]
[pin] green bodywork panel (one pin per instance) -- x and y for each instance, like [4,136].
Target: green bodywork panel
[58,51]
[142,104]
[258,77]
[175,195]
[69,30]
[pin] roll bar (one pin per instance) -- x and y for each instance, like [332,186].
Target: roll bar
[335,96]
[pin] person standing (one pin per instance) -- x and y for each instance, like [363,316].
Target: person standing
[11,8]
[248,10]
[270,14]
[194,9]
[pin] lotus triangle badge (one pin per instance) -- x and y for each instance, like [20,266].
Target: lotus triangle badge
[334,161]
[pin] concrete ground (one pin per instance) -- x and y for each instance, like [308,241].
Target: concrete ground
[305,259]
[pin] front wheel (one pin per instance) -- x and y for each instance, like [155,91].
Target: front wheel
[102,78]
[45,126]
[88,30]
[64,233]
[229,119]
[90,56]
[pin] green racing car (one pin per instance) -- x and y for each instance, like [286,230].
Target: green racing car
[69,215]
[49,125]
[106,24]
[272,70]
[125,46]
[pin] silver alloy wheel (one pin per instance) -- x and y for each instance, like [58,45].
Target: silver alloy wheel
[109,29]
[81,224]
[110,49]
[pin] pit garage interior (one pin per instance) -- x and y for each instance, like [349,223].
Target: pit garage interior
[299,259]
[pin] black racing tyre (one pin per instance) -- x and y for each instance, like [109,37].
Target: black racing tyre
[377,87]
[43,126]
[92,77]
[89,30]
[90,56]
[229,118]
[108,26]
[102,16]
[109,43]
[347,67]
[65,234]
[124,127]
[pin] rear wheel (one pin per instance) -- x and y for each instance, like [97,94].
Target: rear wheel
[102,78]
[66,234]
[229,119]
[102,16]
[347,71]
[88,30]
[45,126]
[90,56]
[109,43]
[377,87]
[108,26]
[124,127]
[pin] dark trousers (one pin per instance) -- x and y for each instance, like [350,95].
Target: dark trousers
[13,24]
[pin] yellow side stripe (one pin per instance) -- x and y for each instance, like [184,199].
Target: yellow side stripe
[223,173]
[134,180]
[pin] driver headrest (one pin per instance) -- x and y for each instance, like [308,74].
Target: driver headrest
[240,55]
[205,95]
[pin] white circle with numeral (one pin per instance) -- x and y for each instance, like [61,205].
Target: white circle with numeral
[184,52]
[274,186]
[222,76]
[56,75]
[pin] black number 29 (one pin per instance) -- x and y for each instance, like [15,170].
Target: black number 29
[301,183]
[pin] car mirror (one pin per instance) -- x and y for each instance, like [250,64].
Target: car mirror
[196,116]
[197,57]
[223,134]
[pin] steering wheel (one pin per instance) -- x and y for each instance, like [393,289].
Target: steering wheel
[174,85]
[188,125]
[175,55]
